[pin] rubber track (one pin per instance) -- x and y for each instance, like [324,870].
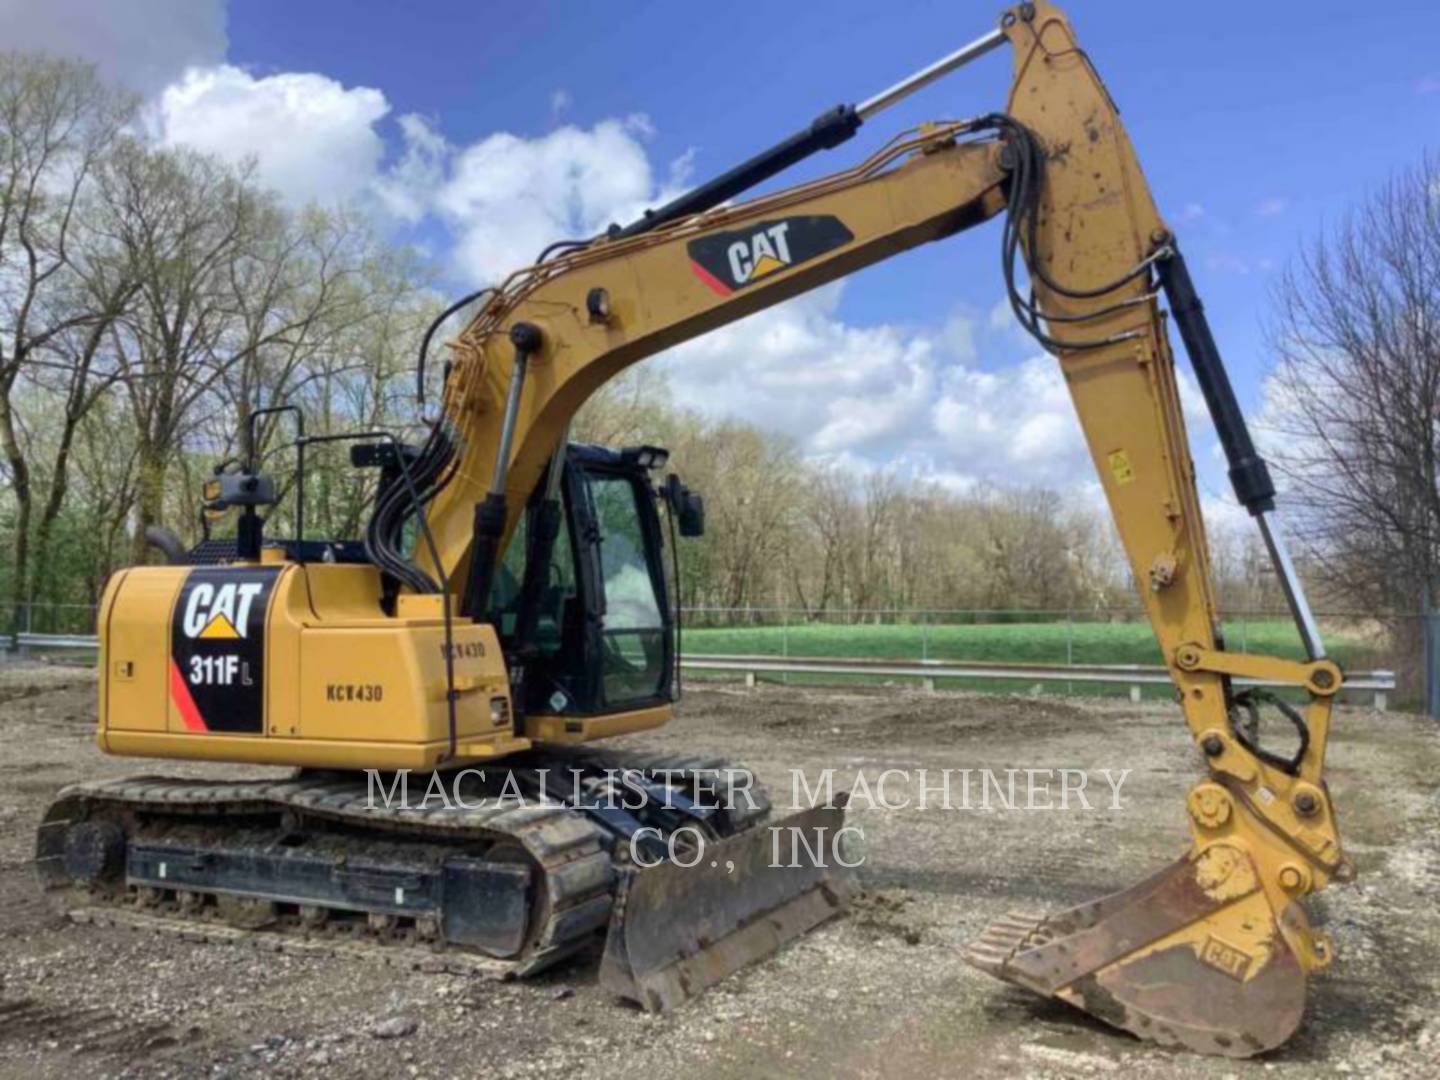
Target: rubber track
[567,849]
[570,851]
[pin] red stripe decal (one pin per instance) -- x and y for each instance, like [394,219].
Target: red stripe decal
[710,279]
[180,694]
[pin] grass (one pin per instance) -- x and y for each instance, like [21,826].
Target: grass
[1037,642]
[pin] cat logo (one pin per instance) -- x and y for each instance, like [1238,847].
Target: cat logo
[214,613]
[217,650]
[726,261]
[764,253]
[1225,957]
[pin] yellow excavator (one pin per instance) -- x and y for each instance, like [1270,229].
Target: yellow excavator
[510,605]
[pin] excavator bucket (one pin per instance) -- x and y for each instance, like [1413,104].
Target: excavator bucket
[1194,956]
[678,929]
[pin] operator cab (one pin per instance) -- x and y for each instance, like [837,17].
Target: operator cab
[581,599]
[592,630]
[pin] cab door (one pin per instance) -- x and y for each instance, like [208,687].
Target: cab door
[633,626]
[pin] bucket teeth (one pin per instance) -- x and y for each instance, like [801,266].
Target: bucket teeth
[1001,940]
[986,959]
[1012,933]
[1013,924]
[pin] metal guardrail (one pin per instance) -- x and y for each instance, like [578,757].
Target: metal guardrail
[1135,676]
[25,642]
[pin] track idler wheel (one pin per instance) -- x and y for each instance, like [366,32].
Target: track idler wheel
[94,852]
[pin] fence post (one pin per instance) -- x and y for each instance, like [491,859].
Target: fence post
[1069,647]
[785,643]
[1430,636]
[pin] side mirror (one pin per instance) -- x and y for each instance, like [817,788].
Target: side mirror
[687,506]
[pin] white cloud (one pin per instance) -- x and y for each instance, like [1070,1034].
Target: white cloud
[142,44]
[1283,428]
[958,337]
[1002,315]
[502,198]
[799,369]
[1225,519]
[506,197]
[1012,426]
[313,138]
[406,188]
[886,396]
[1001,321]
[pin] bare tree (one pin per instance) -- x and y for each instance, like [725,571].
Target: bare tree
[1357,396]
[184,222]
[631,408]
[818,560]
[75,368]
[871,562]
[56,121]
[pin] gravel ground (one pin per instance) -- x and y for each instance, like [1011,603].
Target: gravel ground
[881,992]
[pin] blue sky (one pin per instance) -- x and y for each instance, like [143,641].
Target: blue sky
[1270,118]
[480,130]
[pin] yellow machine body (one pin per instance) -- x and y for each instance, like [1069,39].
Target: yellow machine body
[331,682]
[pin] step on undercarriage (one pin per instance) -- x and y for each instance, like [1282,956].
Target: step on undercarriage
[505,871]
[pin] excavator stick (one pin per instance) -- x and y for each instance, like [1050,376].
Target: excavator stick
[1212,953]
[678,929]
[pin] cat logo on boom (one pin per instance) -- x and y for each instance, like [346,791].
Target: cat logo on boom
[765,252]
[730,260]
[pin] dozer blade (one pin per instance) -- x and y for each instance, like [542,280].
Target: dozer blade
[677,930]
[1193,956]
